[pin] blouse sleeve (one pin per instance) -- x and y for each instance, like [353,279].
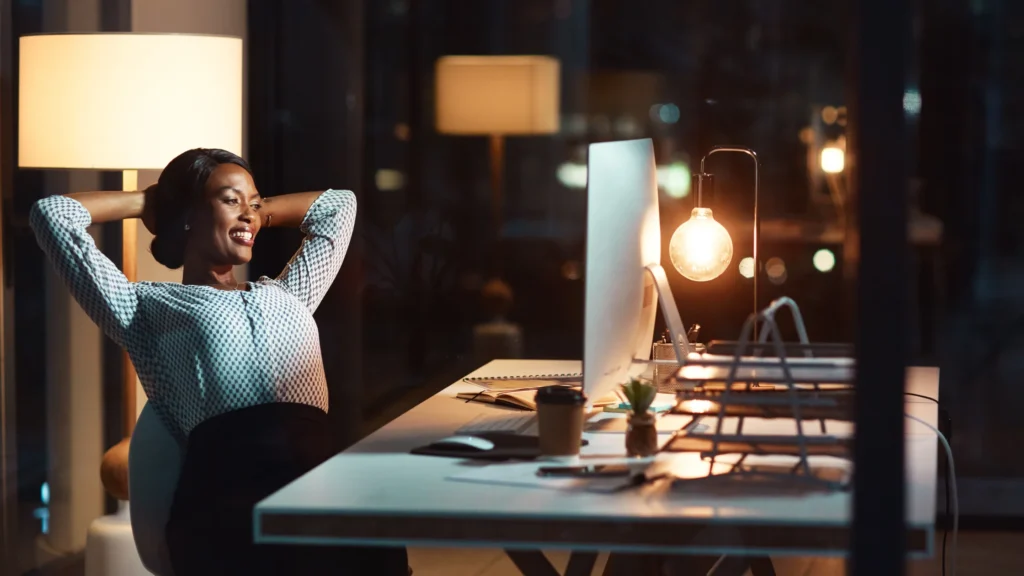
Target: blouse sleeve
[328,228]
[98,286]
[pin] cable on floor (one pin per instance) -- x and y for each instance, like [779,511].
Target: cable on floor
[956,501]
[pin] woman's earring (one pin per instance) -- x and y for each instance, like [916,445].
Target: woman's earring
[187,227]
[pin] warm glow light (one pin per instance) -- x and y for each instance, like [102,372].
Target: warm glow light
[697,406]
[497,95]
[824,260]
[701,248]
[126,101]
[694,372]
[833,160]
[747,267]
[829,114]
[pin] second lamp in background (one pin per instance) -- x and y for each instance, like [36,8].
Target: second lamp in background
[497,96]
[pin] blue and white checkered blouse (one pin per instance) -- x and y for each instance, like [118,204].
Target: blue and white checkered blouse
[200,351]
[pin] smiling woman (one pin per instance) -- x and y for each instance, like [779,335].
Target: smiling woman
[201,196]
[205,212]
[233,371]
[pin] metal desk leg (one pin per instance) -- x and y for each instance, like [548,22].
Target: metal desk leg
[632,565]
[531,562]
[655,565]
[535,563]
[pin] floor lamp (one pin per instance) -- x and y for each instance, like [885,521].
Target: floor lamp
[126,102]
[497,96]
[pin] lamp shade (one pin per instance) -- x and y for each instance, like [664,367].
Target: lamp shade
[497,95]
[126,101]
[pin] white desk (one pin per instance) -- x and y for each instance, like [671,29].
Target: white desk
[376,493]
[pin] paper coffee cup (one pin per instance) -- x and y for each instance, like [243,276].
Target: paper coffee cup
[560,416]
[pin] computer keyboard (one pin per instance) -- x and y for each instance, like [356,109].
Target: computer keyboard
[525,424]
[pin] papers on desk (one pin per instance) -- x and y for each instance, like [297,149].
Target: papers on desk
[522,399]
[524,474]
[526,374]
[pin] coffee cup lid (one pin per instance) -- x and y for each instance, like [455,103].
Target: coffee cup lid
[561,394]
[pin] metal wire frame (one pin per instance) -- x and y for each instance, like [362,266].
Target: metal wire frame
[742,398]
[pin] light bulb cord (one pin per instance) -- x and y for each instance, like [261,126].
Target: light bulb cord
[716,149]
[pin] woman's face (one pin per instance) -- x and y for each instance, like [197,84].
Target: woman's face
[228,219]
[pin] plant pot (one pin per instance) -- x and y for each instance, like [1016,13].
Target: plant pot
[641,435]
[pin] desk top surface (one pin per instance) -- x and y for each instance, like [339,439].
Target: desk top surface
[378,493]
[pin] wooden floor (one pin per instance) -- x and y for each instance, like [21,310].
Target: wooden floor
[980,554]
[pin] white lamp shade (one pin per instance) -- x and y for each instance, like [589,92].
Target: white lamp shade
[497,95]
[126,101]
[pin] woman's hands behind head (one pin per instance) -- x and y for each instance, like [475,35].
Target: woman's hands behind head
[149,208]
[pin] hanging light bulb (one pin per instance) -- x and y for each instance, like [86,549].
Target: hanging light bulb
[701,248]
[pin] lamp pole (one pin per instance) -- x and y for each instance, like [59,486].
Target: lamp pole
[130,265]
[497,142]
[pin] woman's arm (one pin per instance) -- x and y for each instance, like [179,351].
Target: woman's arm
[111,206]
[327,219]
[287,210]
[60,224]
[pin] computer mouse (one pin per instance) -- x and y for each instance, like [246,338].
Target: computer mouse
[471,443]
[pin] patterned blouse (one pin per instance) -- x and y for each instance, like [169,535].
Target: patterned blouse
[200,351]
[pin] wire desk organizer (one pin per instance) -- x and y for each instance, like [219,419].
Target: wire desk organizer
[814,384]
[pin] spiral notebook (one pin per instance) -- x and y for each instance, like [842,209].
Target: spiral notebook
[512,375]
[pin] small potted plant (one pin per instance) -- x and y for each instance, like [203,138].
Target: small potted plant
[641,434]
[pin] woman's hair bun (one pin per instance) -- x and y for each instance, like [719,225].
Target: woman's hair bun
[168,252]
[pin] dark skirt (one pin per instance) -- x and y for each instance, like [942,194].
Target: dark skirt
[232,462]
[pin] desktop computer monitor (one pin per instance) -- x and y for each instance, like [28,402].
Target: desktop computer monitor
[623,239]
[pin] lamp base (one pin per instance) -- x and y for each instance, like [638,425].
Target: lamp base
[110,547]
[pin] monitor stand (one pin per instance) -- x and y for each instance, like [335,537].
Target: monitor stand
[670,312]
